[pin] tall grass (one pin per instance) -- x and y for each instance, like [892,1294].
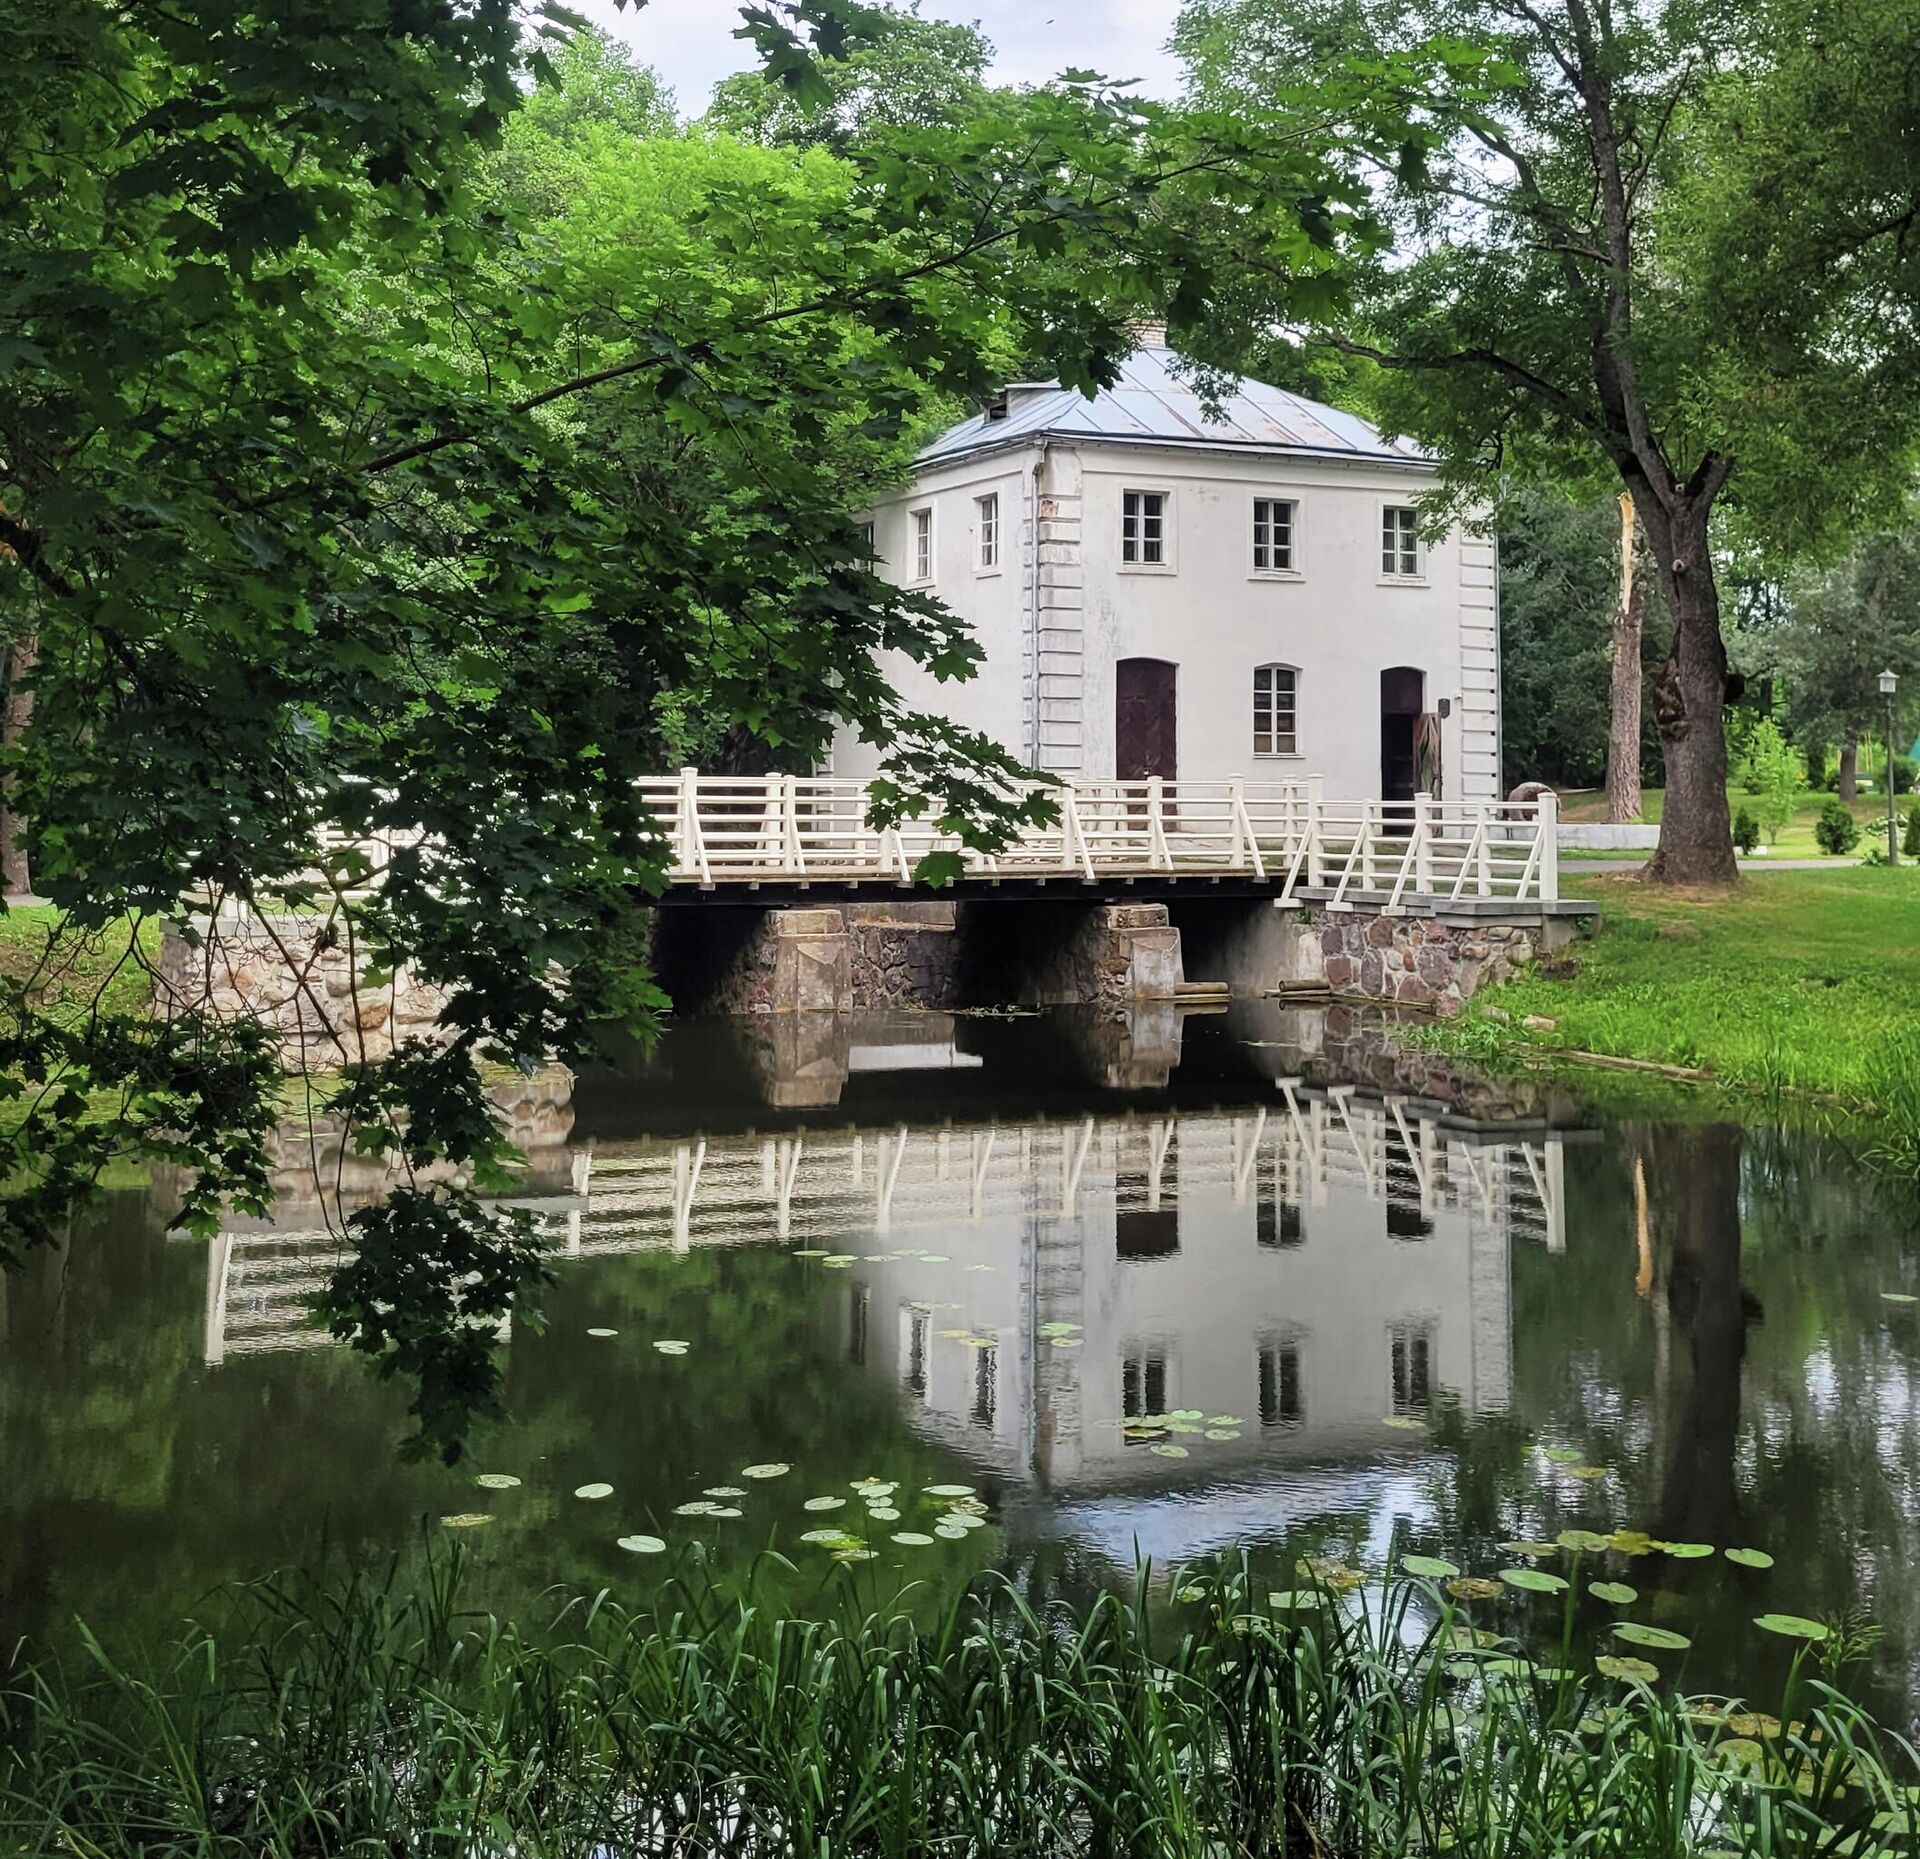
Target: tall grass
[361,1718]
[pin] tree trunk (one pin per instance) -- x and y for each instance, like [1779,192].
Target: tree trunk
[1689,700]
[1623,729]
[1850,765]
[14,875]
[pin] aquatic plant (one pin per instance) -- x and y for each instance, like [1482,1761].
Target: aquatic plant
[1332,1718]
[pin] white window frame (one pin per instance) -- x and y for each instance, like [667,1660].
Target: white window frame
[870,536]
[1272,693]
[1291,571]
[986,533]
[1400,575]
[921,544]
[1165,516]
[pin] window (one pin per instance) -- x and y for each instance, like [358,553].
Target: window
[922,521]
[1272,536]
[1399,541]
[1143,1386]
[1278,1220]
[1412,1345]
[1276,691]
[1281,1401]
[1143,528]
[986,1388]
[866,537]
[919,1332]
[987,529]
[859,1314]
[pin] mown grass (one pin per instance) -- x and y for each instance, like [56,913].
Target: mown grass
[72,973]
[1375,1722]
[1796,984]
[1796,837]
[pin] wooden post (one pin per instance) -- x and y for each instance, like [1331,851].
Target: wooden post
[1316,837]
[1424,809]
[1549,805]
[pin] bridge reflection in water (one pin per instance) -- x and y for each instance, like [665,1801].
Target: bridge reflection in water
[1304,1266]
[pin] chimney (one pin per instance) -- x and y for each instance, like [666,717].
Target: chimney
[1150,335]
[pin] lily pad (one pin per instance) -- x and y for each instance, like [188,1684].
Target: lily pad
[913,1539]
[1474,1588]
[593,1492]
[765,1471]
[496,1481]
[1534,1581]
[671,1346]
[1403,1423]
[642,1545]
[1750,1558]
[726,1510]
[1632,1542]
[1533,1551]
[1586,1472]
[1657,1637]
[1899,1297]
[1169,1452]
[724,1491]
[1058,1327]
[823,1504]
[1562,1455]
[1687,1552]
[1186,1413]
[827,1537]
[1064,1342]
[1221,1435]
[949,1491]
[809,1252]
[1614,1593]
[466,1520]
[853,1552]
[1429,1568]
[883,1513]
[1225,1420]
[696,1507]
[953,1532]
[597,1331]
[1635,1671]
[1295,1600]
[1791,1626]
[1589,1541]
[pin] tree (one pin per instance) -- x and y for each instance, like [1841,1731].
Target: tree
[1838,627]
[1626,676]
[1773,772]
[1584,270]
[368,484]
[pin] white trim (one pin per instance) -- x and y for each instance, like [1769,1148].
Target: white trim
[1253,690]
[915,576]
[984,569]
[1383,575]
[1295,569]
[1169,554]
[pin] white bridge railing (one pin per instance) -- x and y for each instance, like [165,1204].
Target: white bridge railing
[800,829]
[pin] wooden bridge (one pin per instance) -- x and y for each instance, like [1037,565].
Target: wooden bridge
[813,833]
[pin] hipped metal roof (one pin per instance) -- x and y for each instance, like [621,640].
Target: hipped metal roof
[1150,405]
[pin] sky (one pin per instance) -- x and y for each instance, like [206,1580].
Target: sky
[691,43]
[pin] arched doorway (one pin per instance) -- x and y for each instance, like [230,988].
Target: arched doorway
[1145,719]
[1403,695]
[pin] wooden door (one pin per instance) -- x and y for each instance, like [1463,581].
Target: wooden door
[1402,698]
[1145,719]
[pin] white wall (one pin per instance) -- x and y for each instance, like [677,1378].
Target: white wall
[1063,589]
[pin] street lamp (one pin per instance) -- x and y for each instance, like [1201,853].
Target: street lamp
[1887,683]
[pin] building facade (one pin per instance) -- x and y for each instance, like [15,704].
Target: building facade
[1164,586]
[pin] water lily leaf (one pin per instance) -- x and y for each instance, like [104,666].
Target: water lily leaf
[765,1471]
[883,1513]
[466,1520]
[696,1507]
[642,1545]
[1295,1600]
[1562,1455]
[837,1261]
[1225,1420]
[1169,1452]
[1586,1472]
[1064,1342]
[1657,1637]
[826,1537]
[823,1503]
[1750,1558]
[1429,1568]
[1474,1588]
[931,1258]
[592,1492]
[1899,1297]
[1792,1626]
[1588,1540]
[948,1491]
[1752,1723]
[1687,1552]
[1186,1413]
[603,1332]
[1192,1428]
[496,1481]
[1535,1581]
[982,1267]
[726,1510]
[1634,1671]
[671,1346]
[724,1491]
[854,1553]
[913,1539]
[1536,1552]
[809,1252]
[875,1484]
[1220,1435]
[953,1532]
[1059,1327]
[1403,1423]
[1329,1573]
[1632,1542]
[1616,1593]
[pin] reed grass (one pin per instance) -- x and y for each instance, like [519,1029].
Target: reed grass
[363,1717]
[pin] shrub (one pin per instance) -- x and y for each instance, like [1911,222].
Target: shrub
[1817,769]
[1903,773]
[1836,829]
[1773,772]
[1910,839]
[1746,830]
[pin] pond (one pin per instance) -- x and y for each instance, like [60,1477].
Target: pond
[1150,1289]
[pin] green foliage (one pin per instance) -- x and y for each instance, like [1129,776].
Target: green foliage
[1836,829]
[1910,835]
[709,1721]
[1746,830]
[1773,770]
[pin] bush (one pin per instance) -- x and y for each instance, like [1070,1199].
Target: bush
[1903,774]
[1746,830]
[1836,829]
[1910,839]
[1817,769]
[1773,776]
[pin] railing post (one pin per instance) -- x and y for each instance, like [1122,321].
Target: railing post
[1369,876]
[1483,864]
[1316,836]
[693,855]
[1424,808]
[773,826]
[1158,856]
[796,858]
[1549,848]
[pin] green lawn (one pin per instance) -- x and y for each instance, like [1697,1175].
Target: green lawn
[68,971]
[1799,983]
[1796,837]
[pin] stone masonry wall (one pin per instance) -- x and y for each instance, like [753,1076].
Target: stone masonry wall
[1415,961]
[1108,955]
[296,974]
[904,955]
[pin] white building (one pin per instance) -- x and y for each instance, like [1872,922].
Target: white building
[1164,590]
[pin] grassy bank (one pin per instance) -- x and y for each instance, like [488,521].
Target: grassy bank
[1350,1717]
[1796,983]
[1796,837]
